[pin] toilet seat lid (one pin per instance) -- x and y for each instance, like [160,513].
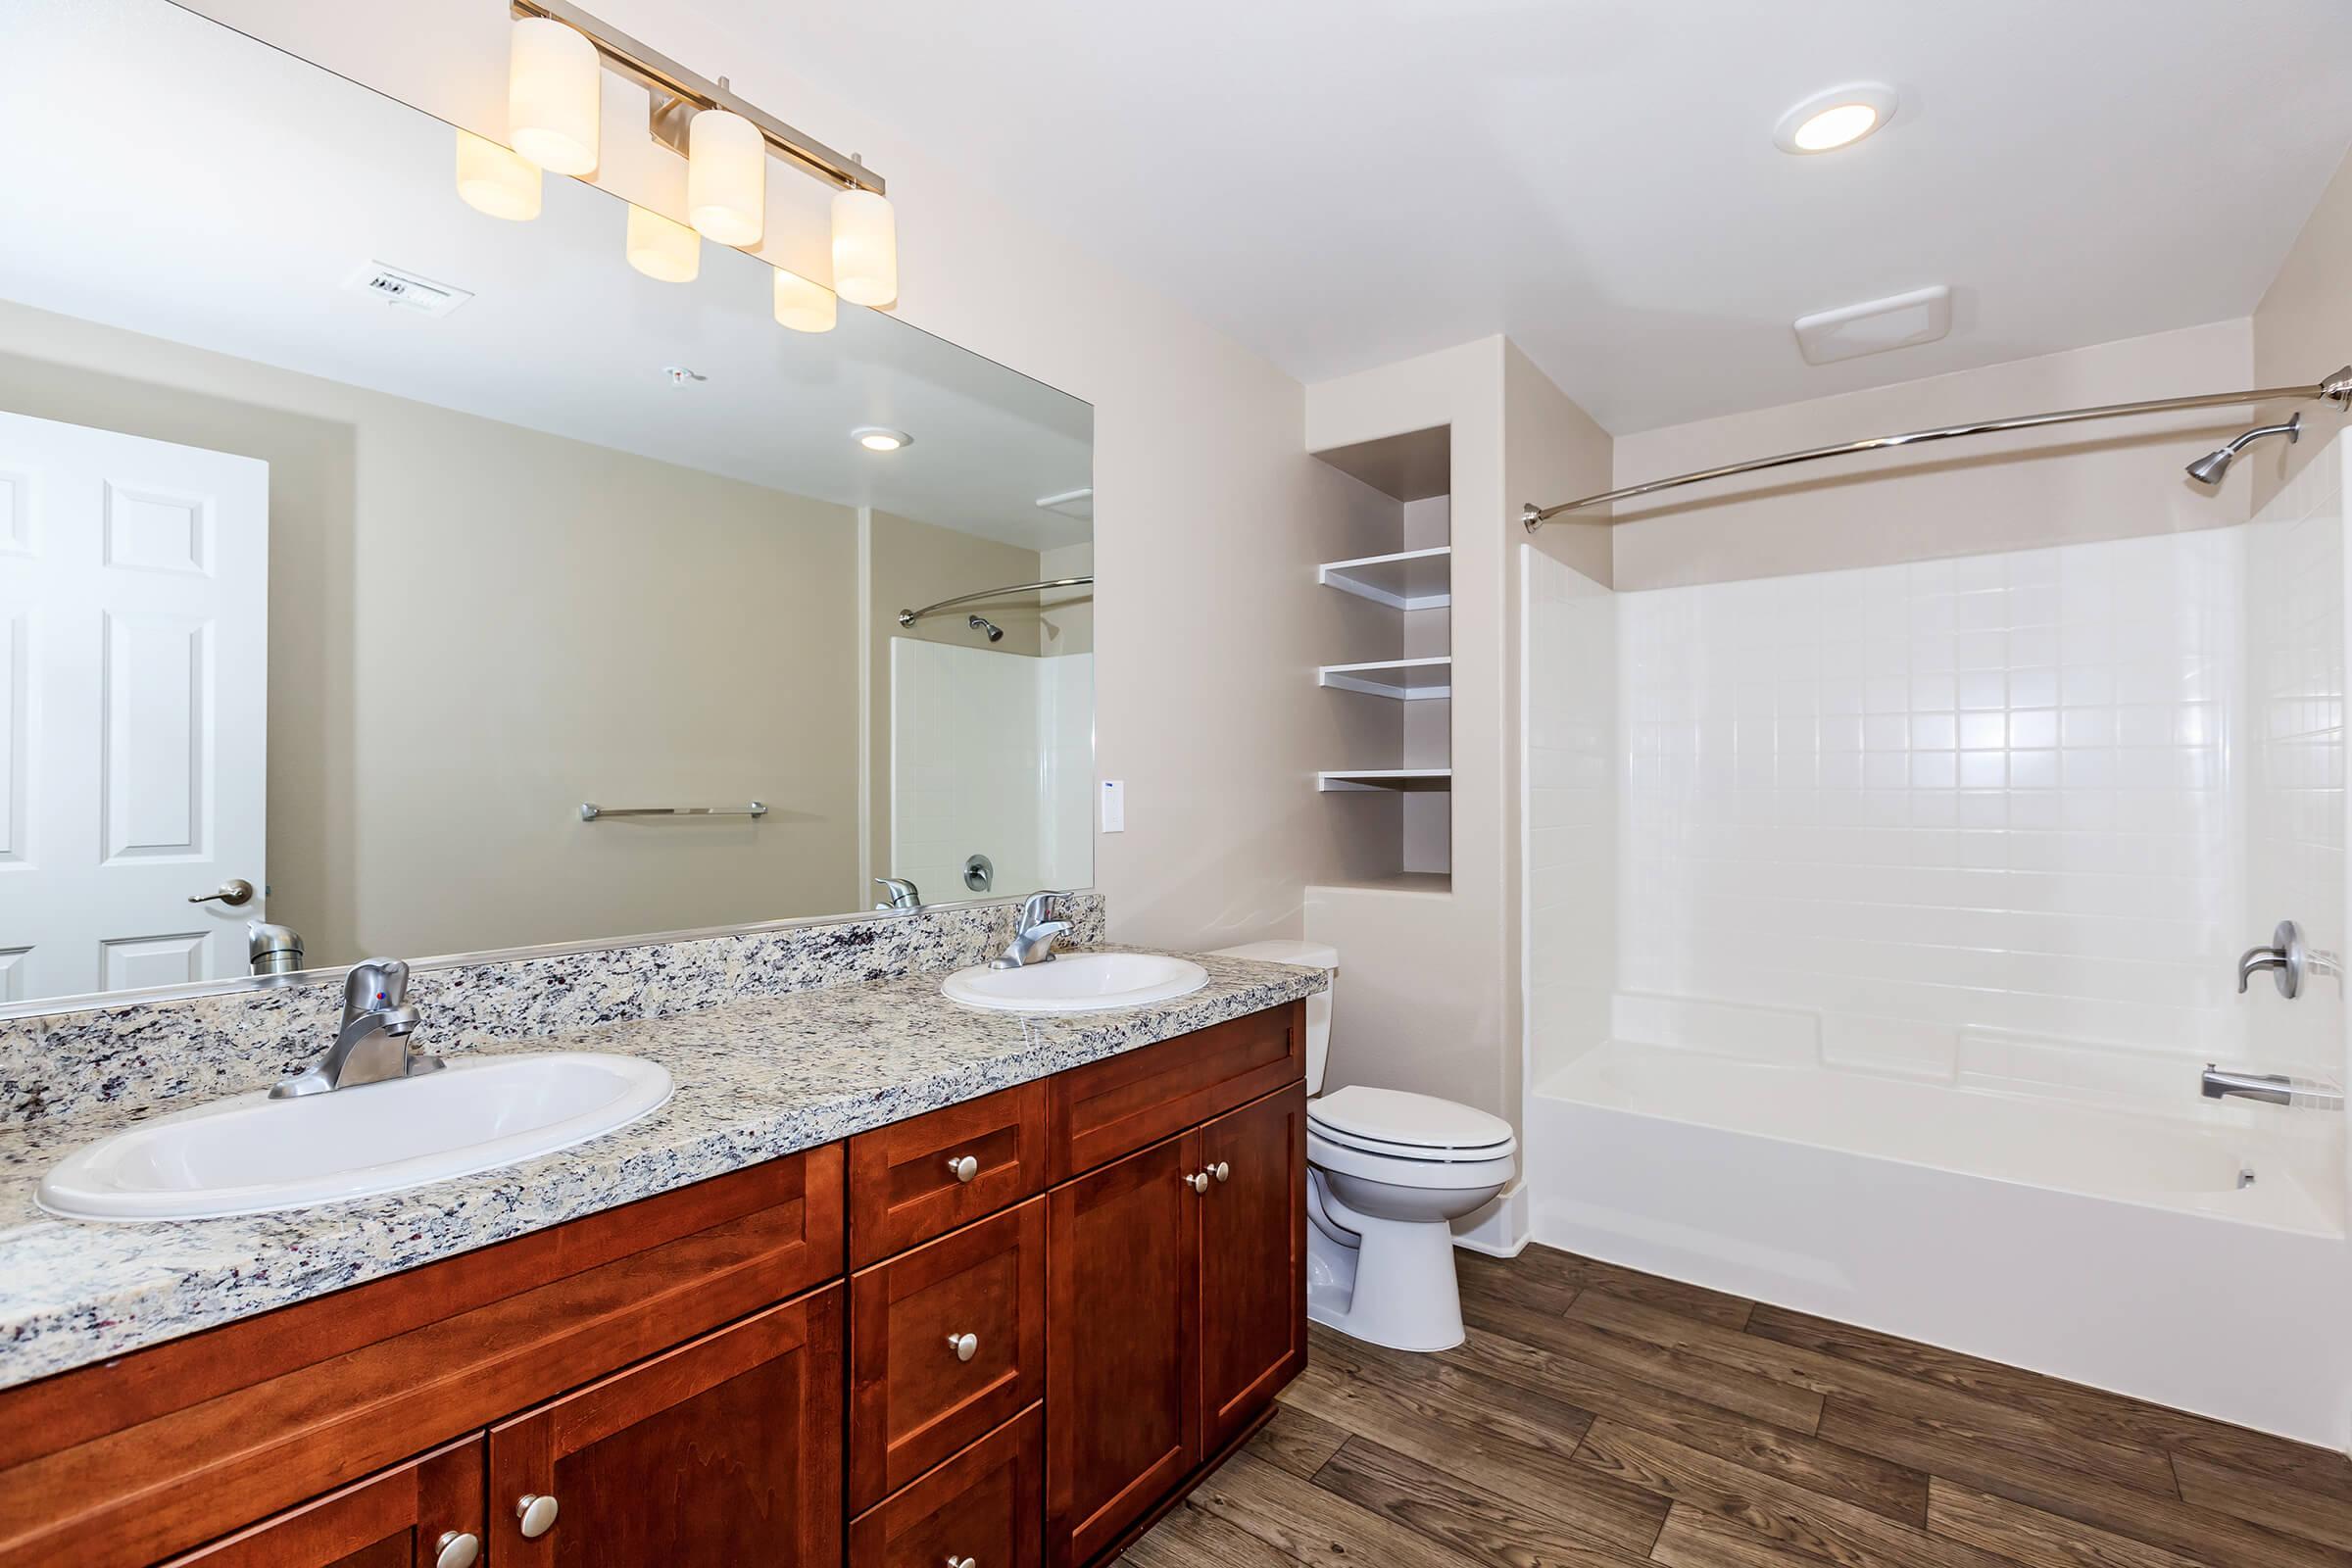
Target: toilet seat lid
[1390,1120]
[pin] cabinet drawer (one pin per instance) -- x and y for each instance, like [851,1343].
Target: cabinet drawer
[907,1182]
[985,1505]
[1119,1105]
[914,1398]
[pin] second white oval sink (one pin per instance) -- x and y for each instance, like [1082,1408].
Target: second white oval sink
[1078,982]
[251,1154]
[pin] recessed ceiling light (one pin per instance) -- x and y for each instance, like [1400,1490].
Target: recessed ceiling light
[1839,118]
[881,438]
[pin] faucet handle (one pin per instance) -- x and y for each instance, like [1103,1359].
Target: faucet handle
[374,985]
[1038,907]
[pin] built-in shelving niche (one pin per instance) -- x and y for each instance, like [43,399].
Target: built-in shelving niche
[1403,657]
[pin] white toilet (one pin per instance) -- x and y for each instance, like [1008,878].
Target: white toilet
[1388,1172]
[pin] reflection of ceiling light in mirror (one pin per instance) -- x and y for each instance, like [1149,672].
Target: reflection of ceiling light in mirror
[881,438]
[866,248]
[667,251]
[726,177]
[802,306]
[1835,119]
[494,180]
[555,96]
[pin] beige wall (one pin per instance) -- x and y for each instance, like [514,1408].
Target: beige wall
[1205,495]
[474,627]
[2069,485]
[910,565]
[2303,330]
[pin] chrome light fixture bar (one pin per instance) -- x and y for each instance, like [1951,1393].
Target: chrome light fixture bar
[679,95]
[2335,389]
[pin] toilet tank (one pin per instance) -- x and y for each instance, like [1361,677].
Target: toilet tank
[1306,955]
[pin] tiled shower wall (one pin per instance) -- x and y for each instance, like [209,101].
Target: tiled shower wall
[2295,719]
[2007,820]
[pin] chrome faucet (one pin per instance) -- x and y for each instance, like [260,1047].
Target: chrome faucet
[2272,1088]
[1033,939]
[904,894]
[372,1044]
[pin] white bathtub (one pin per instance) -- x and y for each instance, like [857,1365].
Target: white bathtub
[2102,1245]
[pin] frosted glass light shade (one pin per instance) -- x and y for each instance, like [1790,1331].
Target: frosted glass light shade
[493,180]
[555,96]
[726,177]
[866,248]
[802,306]
[663,249]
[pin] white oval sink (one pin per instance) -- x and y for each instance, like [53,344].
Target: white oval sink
[251,1155]
[1078,982]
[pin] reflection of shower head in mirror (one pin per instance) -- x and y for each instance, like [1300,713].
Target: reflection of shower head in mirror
[995,633]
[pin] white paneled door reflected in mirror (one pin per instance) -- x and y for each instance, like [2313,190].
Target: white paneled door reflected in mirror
[353,539]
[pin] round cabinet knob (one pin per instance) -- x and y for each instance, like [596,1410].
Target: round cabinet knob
[1221,1171]
[963,1562]
[965,1345]
[963,1167]
[456,1550]
[1198,1181]
[538,1516]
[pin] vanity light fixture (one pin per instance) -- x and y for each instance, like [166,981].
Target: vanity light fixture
[661,249]
[881,438]
[1837,118]
[802,306]
[493,180]
[555,91]
[555,96]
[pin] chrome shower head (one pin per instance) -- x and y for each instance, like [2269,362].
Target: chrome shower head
[995,633]
[2209,468]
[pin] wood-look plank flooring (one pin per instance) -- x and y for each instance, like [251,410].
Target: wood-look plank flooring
[1600,1417]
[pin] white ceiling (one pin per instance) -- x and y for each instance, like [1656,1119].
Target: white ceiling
[223,193]
[1345,182]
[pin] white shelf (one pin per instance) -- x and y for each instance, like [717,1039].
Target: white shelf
[1410,579]
[1406,679]
[1386,778]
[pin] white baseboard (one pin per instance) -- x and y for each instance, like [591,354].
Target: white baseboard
[1498,1230]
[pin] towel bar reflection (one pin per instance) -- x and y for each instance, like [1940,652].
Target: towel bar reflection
[590,811]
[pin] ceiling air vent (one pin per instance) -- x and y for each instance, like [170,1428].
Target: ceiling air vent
[1848,333]
[407,290]
[1079,504]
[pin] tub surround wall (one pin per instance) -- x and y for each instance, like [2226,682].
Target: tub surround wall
[132,1058]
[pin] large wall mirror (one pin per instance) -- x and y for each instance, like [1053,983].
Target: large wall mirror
[383,556]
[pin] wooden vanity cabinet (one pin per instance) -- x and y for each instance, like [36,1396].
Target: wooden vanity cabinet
[408,1517]
[766,1367]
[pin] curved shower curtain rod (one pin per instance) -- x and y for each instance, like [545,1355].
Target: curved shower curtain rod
[907,617]
[2336,389]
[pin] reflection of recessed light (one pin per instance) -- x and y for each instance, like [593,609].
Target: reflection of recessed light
[880,438]
[1839,118]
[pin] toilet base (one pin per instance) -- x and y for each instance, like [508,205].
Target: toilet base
[1395,1288]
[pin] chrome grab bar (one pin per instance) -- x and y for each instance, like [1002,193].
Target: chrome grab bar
[590,811]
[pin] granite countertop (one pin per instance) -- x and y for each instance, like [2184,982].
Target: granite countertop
[753,1080]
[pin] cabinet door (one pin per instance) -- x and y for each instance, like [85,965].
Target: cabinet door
[415,1515]
[726,1450]
[1253,1260]
[1122,1333]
